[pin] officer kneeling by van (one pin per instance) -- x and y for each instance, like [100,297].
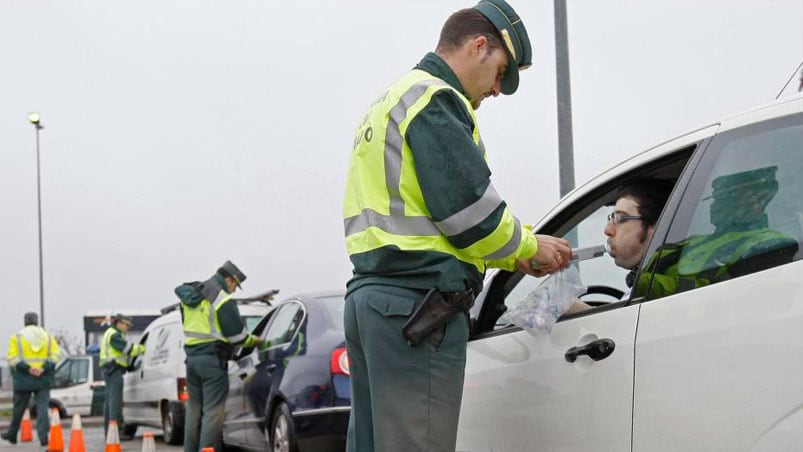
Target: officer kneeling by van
[212,328]
[114,353]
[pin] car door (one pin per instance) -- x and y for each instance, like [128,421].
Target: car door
[522,394]
[269,369]
[241,372]
[719,361]
[520,390]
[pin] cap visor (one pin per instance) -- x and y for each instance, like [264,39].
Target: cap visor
[510,81]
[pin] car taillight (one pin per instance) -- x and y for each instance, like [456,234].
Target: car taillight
[183,392]
[340,361]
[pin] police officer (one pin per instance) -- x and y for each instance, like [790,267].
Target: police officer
[422,223]
[115,351]
[32,356]
[741,243]
[212,329]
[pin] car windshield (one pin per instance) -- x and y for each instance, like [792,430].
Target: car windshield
[333,307]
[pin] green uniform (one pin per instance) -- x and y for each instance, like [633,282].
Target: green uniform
[32,347]
[212,328]
[420,212]
[114,353]
[703,260]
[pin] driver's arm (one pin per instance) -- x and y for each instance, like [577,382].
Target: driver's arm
[577,306]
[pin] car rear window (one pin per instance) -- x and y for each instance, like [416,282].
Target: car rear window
[333,307]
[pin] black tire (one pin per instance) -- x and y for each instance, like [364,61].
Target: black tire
[282,437]
[50,405]
[173,424]
[128,431]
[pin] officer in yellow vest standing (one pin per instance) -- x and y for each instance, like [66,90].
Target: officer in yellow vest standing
[422,223]
[115,351]
[32,356]
[212,329]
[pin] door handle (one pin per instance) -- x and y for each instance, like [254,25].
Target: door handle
[596,350]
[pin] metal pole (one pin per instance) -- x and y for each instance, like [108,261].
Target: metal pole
[564,93]
[34,119]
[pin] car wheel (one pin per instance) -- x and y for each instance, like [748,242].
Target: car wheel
[172,425]
[282,438]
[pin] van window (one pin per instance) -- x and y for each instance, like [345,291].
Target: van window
[743,211]
[71,372]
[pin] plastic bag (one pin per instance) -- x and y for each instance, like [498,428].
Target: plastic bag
[542,307]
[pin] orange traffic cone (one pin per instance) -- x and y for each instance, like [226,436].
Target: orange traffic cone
[113,438]
[77,435]
[56,443]
[148,443]
[208,449]
[26,430]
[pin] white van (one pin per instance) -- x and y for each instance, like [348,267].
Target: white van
[155,390]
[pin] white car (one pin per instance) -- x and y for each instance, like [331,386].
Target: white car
[155,390]
[708,367]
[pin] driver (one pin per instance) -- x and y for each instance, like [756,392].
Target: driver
[631,225]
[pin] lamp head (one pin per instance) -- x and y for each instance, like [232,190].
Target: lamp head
[33,118]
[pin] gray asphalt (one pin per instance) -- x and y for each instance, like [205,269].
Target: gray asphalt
[94,441]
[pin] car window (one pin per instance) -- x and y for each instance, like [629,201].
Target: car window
[742,212]
[597,272]
[284,324]
[582,222]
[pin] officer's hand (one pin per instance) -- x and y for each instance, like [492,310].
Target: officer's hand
[552,255]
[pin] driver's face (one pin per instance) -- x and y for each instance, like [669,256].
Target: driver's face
[627,240]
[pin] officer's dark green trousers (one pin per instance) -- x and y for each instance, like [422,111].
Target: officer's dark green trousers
[208,385]
[21,400]
[402,398]
[113,400]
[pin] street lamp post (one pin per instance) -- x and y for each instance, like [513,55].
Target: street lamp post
[34,119]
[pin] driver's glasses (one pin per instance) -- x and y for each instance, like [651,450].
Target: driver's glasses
[618,218]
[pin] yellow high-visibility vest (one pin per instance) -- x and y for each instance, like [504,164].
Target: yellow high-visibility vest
[384,204]
[33,346]
[201,323]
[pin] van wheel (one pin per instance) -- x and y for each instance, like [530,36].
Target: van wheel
[173,424]
[281,437]
[129,430]
[51,405]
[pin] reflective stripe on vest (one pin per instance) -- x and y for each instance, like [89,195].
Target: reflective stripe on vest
[109,353]
[201,323]
[398,215]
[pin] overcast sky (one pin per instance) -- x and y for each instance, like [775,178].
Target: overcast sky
[180,134]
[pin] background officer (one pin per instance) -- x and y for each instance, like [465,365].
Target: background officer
[115,351]
[212,329]
[32,356]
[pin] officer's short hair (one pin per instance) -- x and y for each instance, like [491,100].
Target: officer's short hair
[31,318]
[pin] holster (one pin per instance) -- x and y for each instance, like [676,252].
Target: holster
[434,311]
[224,353]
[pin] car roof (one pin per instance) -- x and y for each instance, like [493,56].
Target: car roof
[757,113]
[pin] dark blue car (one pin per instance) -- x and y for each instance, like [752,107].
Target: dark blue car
[292,394]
